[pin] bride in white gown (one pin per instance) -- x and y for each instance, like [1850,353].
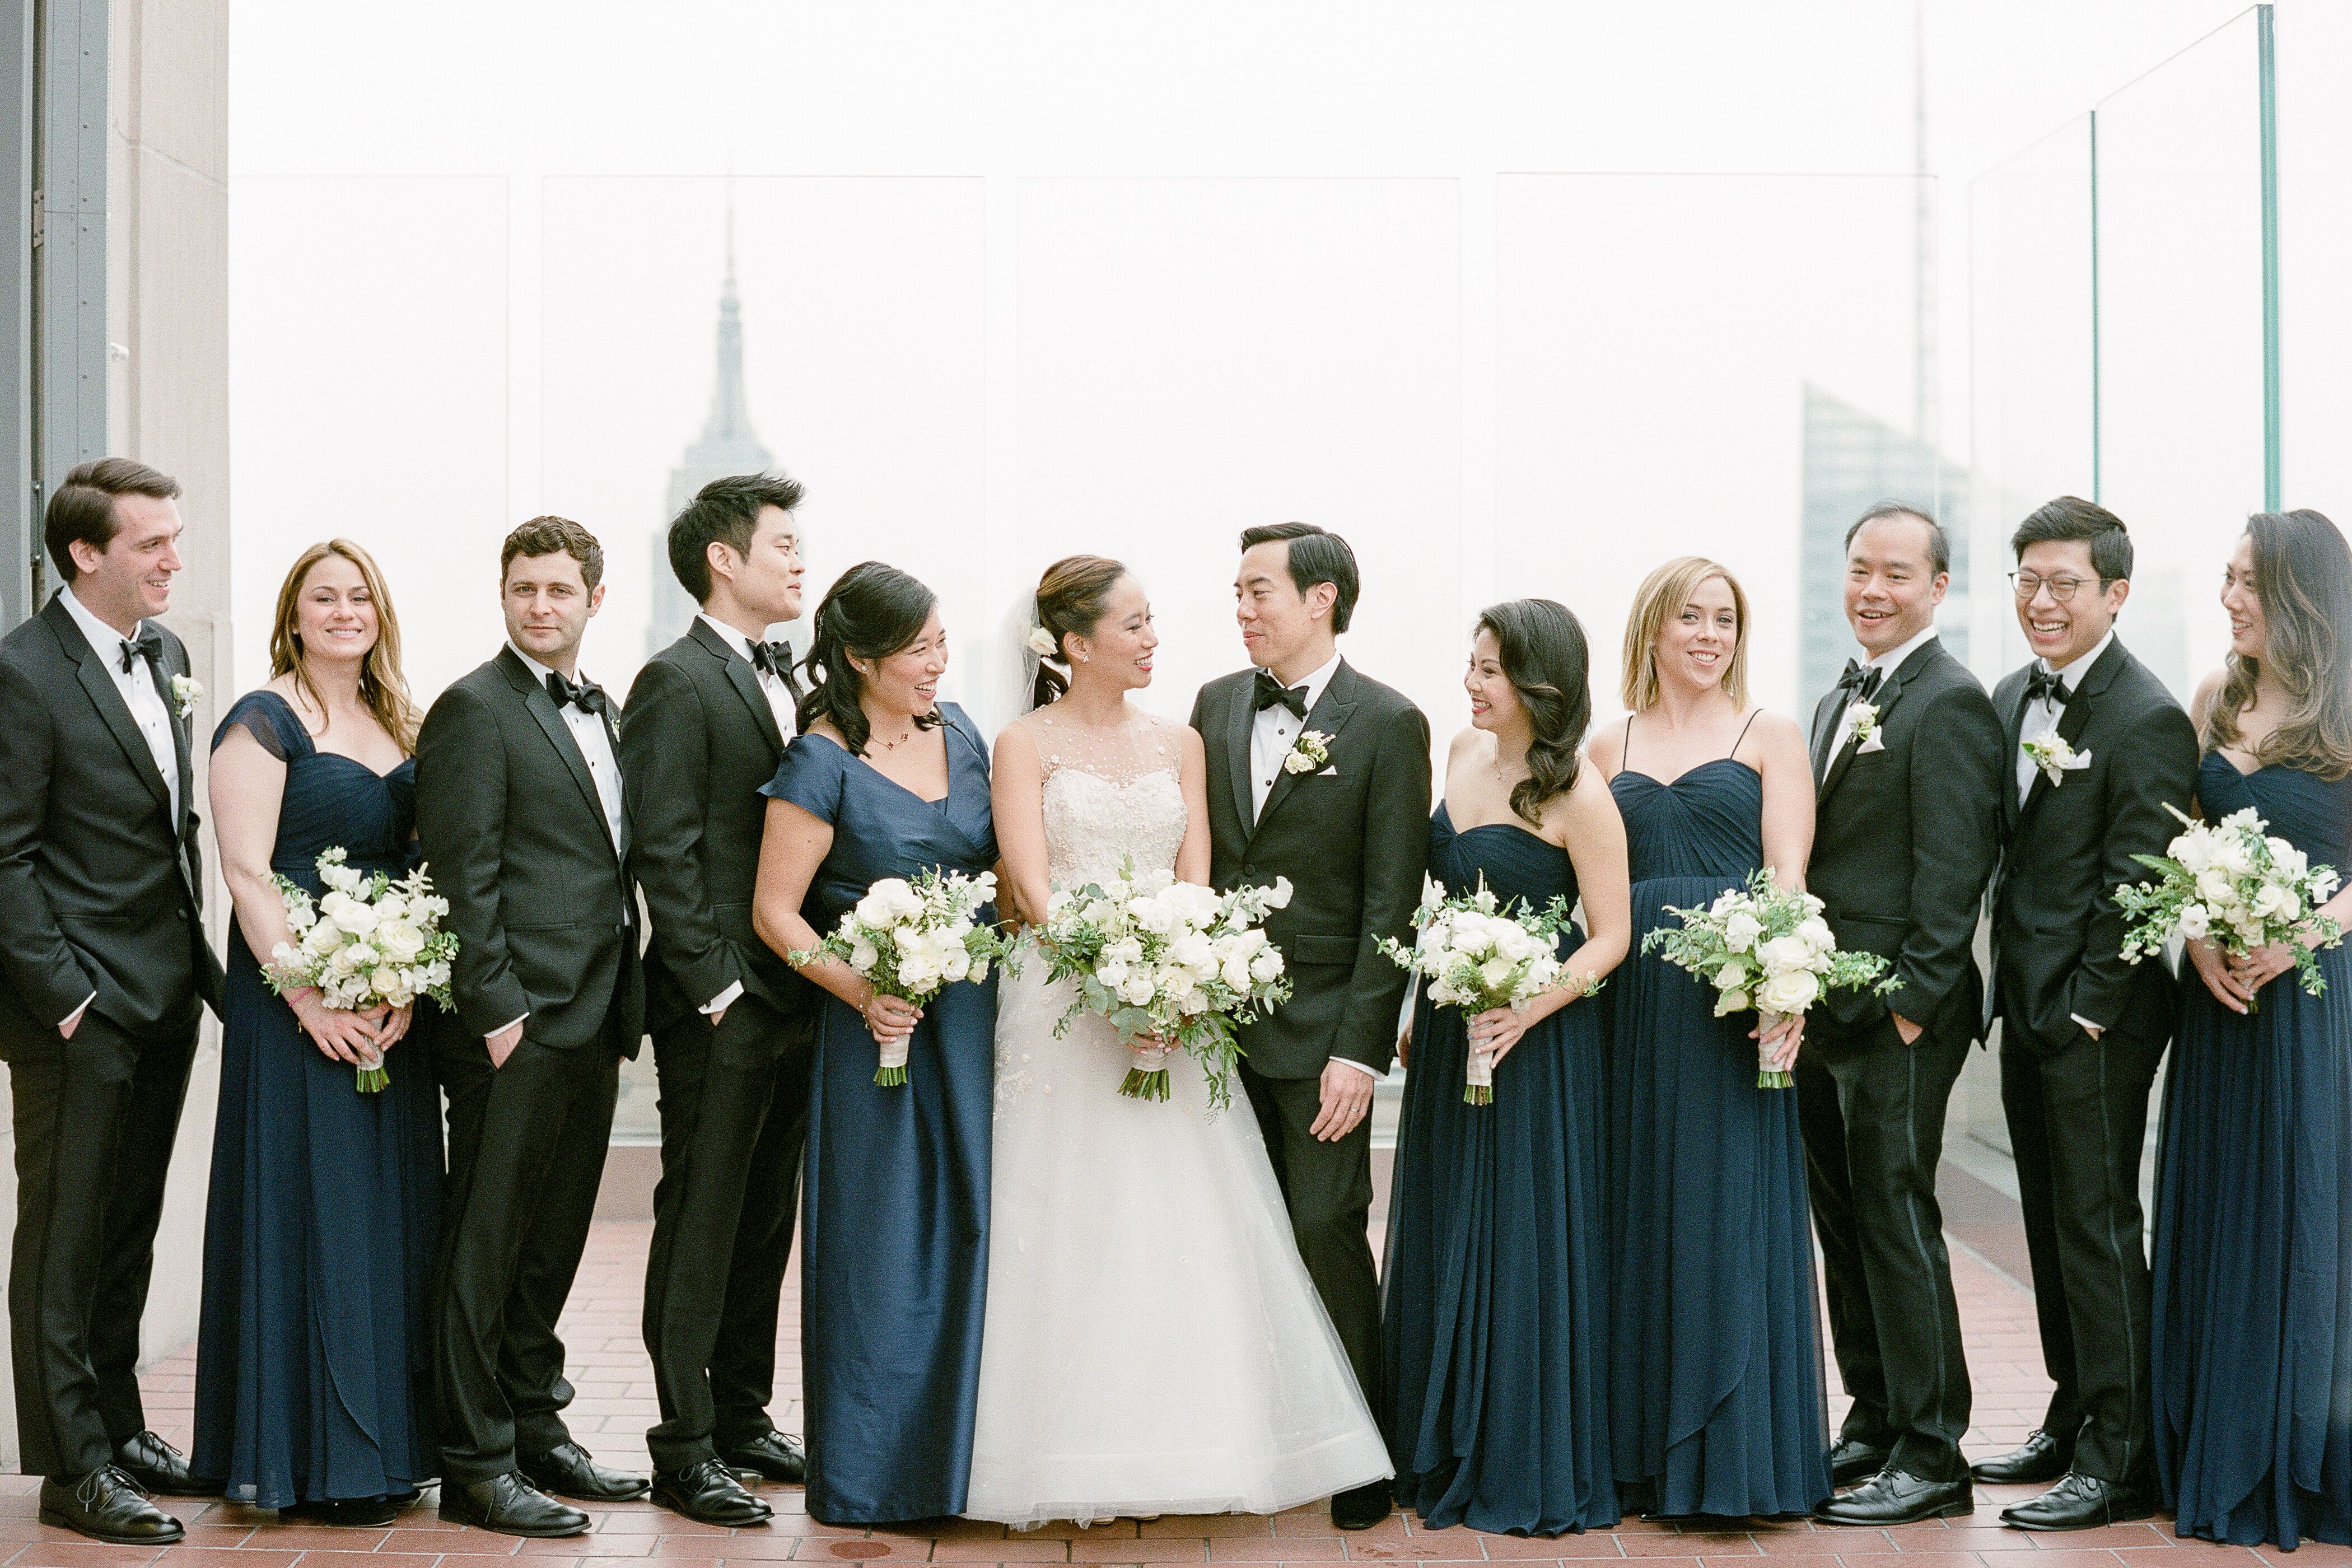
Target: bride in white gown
[1154,1344]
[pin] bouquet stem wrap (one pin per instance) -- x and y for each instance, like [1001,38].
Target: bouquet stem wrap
[1147,1072]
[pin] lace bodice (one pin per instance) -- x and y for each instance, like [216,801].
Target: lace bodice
[1109,802]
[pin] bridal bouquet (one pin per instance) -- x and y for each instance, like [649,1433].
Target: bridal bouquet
[2228,883]
[910,939]
[1475,954]
[1766,947]
[1172,966]
[367,941]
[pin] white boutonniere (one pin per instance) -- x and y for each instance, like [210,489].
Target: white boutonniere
[1311,753]
[1862,728]
[185,689]
[2054,757]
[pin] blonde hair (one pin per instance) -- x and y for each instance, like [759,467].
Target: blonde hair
[1663,592]
[382,686]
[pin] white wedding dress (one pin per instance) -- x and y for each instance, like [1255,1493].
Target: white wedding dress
[1154,1344]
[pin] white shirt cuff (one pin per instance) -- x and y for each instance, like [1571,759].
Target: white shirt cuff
[725,999]
[496,1033]
[74,1017]
[1359,1067]
[2095,1029]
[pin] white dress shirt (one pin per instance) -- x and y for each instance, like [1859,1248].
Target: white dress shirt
[1887,664]
[780,703]
[2041,715]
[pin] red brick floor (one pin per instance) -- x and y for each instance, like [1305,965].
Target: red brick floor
[615,1405]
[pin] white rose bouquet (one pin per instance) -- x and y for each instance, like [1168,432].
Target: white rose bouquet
[2231,884]
[367,941]
[1172,966]
[1766,947]
[1474,953]
[910,939]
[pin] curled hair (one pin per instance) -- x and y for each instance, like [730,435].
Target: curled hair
[872,611]
[1663,592]
[2303,575]
[1071,597]
[382,688]
[1543,653]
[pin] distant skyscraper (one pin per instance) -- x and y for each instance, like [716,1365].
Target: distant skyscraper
[1851,463]
[727,446]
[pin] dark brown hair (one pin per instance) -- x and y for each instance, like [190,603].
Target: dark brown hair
[1071,596]
[1317,555]
[1544,656]
[552,535]
[2072,517]
[724,512]
[871,611]
[2303,575]
[82,506]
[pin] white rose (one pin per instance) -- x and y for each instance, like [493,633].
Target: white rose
[1495,972]
[1732,976]
[1153,915]
[1783,953]
[1729,1002]
[1112,974]
[2196,919]
[2214,885]
[2193,849]
[1817,935]
[2234,856]
[1235,973]
[955,963]
[1741,931]
[392,907]
[1266,968]
[349,914]
[1513,942]
[1192,951]
[2272,900]
[400,943]
[1788,994]
[1542,976]
[1138,990]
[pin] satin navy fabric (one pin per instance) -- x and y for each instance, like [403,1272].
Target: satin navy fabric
[894,1269]
[1717,1405]
[1496,1322]
[314,1370]
[2252,1261]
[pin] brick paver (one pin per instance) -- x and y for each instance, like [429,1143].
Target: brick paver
[616,1405]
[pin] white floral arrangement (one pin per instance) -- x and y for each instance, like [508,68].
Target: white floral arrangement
[367,941]
[1043,643]
[911,940]
[1313,750]
[2055,757]
[2231,883]
[1767,947]
[1476,953]
[186,691]
[1862,728]
[1172,966]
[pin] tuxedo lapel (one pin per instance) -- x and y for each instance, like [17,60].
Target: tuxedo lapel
[542,708]
[2013,726]
[1825,718]
[98,682]
[1890,691]
[1329,715]
[1239,717]
[184,746]
[742,677]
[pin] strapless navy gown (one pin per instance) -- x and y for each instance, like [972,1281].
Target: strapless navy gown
[1717,1405]
[314,1366]
[1496,1320]
[2252,1261]
[894,1267]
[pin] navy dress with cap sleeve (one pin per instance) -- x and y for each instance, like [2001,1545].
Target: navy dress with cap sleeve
[894,1264]
[314,1365]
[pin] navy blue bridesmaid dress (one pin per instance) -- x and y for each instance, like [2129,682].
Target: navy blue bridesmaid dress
[1495,1319]
[314,1367]
[2252,1262]
[1718,1402]
[894,1266]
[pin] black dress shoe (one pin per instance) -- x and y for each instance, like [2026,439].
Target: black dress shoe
[2042,1459]
[772,1455]
[345,1512]
[1854,1460]
[155,1466]
[707,1492]
[1361,1508]
[105,1505]
[1894,1497]
[510,1506]
[571,1472]
[2080,1502]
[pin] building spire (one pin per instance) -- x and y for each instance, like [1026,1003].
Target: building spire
[730,418]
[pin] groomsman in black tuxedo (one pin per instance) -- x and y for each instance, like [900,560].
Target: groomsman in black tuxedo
[104,972]
[1907,764]
[733,1024]
[520,806]
[2097,747]
[1321,775]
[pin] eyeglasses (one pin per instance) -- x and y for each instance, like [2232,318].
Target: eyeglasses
[2062,589]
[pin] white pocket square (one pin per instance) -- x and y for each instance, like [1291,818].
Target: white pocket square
[1876,743]
[1331,773]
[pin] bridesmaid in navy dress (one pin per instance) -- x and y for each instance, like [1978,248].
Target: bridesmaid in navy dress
[1496,1315]
[886,781]
[314,1378]
[1717,1403]
[2252,1261]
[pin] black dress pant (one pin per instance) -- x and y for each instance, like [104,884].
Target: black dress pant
[527,1143]
[734,1115]
[2077,1111]
[1327,1188]
[1873,1113]
[95,1119]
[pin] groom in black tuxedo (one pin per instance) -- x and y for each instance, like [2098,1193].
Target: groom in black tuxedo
[1907,764]
[1321,775]
[104,972]
[520,807]
[733,1024]
[2096,748]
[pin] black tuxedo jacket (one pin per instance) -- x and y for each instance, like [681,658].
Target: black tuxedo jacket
[2056,929]
[697,740]
[101,889]
[1353,839]
[542,904]
[1905,837]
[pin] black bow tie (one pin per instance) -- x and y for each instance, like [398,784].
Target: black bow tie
[2042,684]
[1270,693]
[148,646]
[586,695]
[776,659]
[1861,681]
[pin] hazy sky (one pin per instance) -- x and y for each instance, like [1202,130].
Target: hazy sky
[1519,296]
